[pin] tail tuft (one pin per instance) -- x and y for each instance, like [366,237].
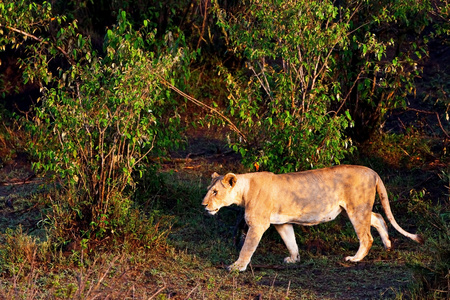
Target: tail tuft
[420,239]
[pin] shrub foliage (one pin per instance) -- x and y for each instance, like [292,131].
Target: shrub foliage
[314,69]
[99,116]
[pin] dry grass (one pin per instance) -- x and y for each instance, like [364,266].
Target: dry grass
[191,266]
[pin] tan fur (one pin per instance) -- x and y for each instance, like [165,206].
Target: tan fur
[305,198]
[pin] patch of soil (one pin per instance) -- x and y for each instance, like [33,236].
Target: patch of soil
[206,151]
[16,171]
[18,185]
[346,281]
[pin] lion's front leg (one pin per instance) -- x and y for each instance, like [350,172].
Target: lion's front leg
[252,239]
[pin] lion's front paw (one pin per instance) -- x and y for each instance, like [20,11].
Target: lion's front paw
[237,267]
[291,260]
[352,258]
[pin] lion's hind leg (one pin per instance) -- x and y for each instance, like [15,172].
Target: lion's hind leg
[378,222]
[361,221]
[287,233]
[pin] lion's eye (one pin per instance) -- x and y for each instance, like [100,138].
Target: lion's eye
[214,192]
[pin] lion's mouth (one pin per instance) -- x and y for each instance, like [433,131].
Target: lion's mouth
[212,211]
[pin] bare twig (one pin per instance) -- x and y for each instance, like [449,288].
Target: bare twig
[203,105]
[39,40]
[265,87]
[348,94]
[431,113]
[203,24]
[105,273]
[272,285]
[190,293]
[158,292]
[288,287]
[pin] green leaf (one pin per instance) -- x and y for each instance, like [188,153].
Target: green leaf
[347,114]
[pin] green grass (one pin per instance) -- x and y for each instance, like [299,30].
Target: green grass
[190,263]
[383,274]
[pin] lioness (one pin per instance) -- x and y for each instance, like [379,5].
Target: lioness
[306,198]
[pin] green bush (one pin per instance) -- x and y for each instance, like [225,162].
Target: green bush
[282,103]
[316,72]
[95,135]
[100,115]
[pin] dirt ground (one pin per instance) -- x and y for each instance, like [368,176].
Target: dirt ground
[325,276]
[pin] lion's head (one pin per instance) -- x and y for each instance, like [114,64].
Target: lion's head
[220,193]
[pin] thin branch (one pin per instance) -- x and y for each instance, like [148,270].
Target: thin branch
[431,113]
[158,292]
[146,153]
[203,24]
[348,94]
[203,105]
[39,40]
[190,293]
[267,86]
[97,287]
[260,80]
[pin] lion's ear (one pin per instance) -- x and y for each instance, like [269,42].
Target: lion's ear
[229,180]
[214,175]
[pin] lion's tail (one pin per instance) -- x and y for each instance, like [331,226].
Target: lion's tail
[381,189]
